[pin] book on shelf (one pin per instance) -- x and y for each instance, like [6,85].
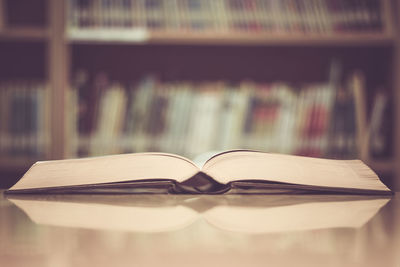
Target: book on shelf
[237,171]
[378,126]
[111,113]
[225,16]
[24,118]
[139,213]
[189,118]
[203,126]
[348,131]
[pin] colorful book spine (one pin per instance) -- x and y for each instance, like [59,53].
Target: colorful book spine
[24,126]
[191,117]
[270,16]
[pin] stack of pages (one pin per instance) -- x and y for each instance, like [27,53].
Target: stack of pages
[236,171]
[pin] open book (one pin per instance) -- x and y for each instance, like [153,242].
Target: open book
[138,213]
[237,171]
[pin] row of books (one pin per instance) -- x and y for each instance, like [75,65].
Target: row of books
[24,122]
[283,16]
[189,118]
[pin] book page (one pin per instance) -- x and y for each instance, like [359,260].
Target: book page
[106,169]
[251,165]
[201,160]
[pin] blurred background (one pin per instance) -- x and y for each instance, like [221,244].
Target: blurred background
[85,78]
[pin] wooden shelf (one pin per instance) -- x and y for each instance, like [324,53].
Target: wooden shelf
[142,36]
[2,15]
[59,58]
[25,33]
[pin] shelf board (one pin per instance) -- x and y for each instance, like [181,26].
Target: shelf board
[24,33]
[142,36]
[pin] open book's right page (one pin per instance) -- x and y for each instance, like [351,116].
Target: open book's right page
[259,167]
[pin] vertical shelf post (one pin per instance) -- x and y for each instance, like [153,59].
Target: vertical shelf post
[396,91]
[2,15]
[387,17]
[58,77]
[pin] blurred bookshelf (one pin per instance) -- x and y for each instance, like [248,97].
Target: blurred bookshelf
[96,77]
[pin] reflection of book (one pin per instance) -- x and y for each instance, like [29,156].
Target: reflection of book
[144,214]
[237,171]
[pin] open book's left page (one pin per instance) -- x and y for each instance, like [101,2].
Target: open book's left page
[150,167]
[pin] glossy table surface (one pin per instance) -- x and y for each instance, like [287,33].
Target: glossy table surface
[190,230]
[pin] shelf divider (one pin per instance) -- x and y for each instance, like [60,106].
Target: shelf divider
[57,75]
[23,33]
[2,16]
[386,13]
[142,36]
[396,92]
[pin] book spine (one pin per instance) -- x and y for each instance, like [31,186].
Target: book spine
[4,116]
[376,131]
[252,16]
[358,86]
[190,117]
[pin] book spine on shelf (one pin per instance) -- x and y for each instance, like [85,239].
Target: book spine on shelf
[4,117]
[285,132]
[377,139]
[22,114]
[71,118]
[190,117]
[250,16]
[112,110]
[358,88]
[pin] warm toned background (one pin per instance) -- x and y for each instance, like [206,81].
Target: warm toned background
[37,47]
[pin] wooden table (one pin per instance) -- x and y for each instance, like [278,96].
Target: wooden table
[190,230]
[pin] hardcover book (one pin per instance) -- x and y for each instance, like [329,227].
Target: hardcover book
[235,171]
